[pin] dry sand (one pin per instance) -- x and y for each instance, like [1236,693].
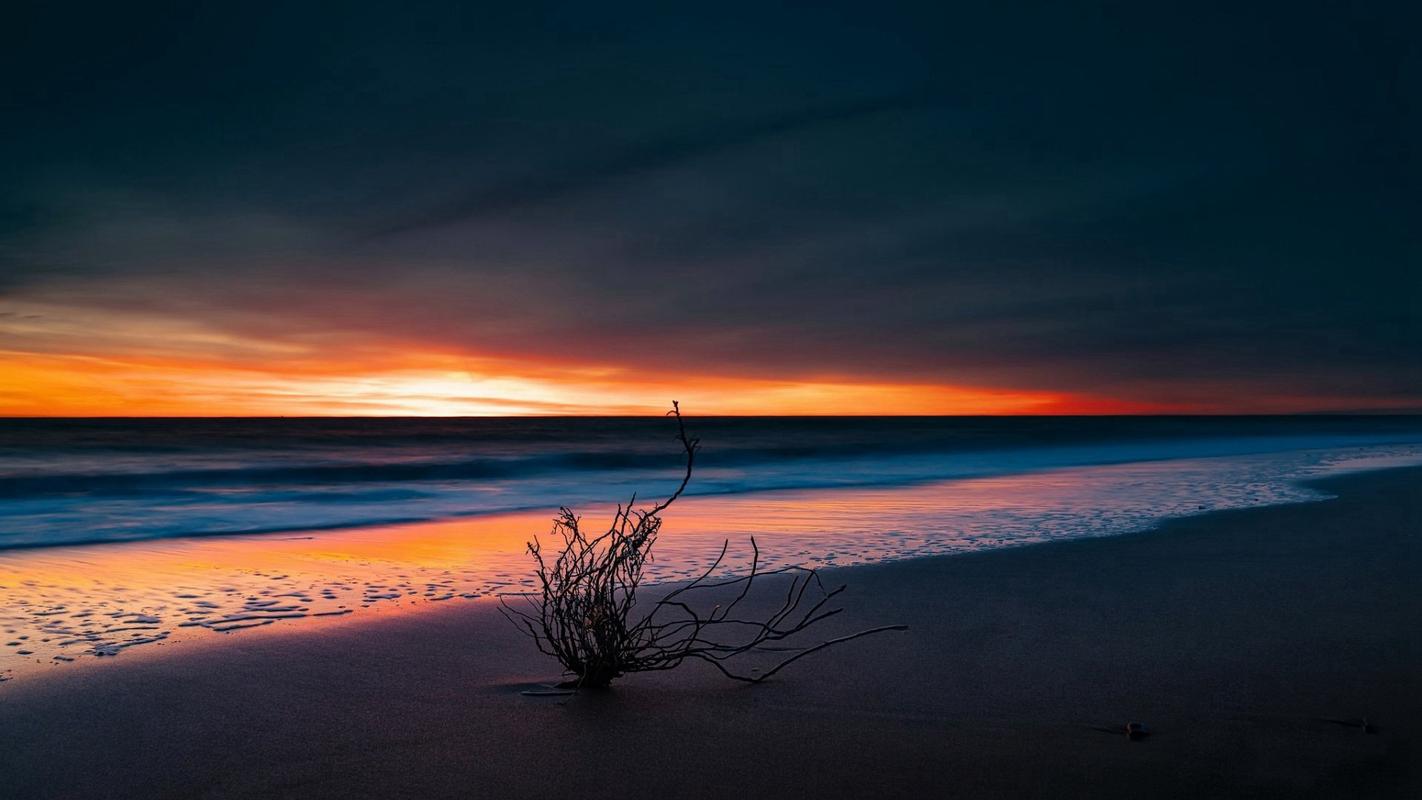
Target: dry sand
[1245,640]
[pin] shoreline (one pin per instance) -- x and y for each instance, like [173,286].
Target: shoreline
[1237,636]
[485,554]
[1038,460]
[69,605]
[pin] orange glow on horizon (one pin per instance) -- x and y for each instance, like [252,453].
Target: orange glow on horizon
[404,384]
[62,358]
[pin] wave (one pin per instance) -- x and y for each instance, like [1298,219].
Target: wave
[946,463]
[84,488]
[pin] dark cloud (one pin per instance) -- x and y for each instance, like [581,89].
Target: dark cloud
[1149,201]
[571,179]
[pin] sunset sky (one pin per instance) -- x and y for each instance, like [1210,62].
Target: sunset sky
[827,208]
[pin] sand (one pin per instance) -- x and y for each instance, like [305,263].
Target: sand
[1250,642]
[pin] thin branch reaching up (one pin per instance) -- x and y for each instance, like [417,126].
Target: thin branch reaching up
[585,612]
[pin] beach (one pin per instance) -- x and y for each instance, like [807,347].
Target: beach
[1252,643]
[124,535]
[655,401]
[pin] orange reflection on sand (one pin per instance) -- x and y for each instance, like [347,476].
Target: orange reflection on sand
[69,602]
[65,603]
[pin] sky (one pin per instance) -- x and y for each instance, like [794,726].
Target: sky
[827,208]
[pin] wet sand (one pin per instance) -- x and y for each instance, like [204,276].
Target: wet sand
[1249,641]
[59,605]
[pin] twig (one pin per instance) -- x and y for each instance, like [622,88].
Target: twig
[587,598]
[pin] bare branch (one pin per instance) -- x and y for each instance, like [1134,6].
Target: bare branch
[587,598]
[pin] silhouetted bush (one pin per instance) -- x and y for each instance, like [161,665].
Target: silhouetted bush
[585,612]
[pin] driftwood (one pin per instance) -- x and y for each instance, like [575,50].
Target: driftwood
[585,612]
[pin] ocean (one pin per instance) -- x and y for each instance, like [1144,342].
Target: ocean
[66,482]
[121,533]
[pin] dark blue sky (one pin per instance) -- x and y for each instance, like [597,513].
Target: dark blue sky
[1209,204]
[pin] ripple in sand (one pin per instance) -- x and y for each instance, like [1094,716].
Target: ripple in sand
[59,610]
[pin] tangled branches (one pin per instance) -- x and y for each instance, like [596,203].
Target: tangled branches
[584,613]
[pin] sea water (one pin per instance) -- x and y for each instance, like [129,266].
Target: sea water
[120,533]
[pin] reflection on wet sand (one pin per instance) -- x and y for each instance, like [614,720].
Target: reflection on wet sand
[97,601]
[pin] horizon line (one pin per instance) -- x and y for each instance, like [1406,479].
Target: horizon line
[1083,415]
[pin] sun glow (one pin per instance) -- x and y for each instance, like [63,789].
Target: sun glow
[448,385]
[58,360]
